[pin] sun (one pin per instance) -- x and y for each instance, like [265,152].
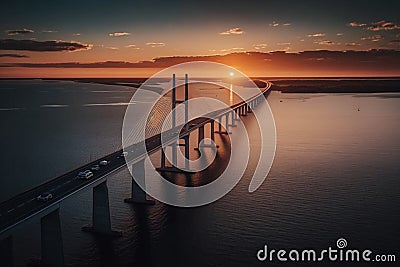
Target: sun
[231,74]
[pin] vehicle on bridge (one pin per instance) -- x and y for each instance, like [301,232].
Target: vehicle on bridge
[85,174]
[123,154]
[103,162]
[44,197]
[95,167]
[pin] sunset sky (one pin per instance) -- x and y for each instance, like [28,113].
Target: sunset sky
[35,36]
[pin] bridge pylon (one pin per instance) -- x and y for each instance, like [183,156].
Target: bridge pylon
[185,138]
[51,240]
[101,220]
[138,194]
[6,251]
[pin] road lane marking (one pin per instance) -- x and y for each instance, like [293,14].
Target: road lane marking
[11,210]
[20,205]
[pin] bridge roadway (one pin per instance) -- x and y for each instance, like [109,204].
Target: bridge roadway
[25,205]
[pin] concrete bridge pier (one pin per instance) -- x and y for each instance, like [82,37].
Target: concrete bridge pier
[6,251]
[173,168]
[241,111]
[249,107]
[201,137]
[138,195]
[212,133]
[101,221]
[233,123]
[219,125]
[187,152]
[51,239]
[226,124]
[244,107]
[237,114]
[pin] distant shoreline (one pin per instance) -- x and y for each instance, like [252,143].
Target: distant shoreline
[337,86]
[282,84]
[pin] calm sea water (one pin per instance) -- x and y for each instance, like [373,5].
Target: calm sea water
[335,174]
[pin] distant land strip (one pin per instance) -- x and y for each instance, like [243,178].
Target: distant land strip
[284,85]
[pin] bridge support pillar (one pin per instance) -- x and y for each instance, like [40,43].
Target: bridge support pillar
[244,107]
[174,168]
[226,125]
[237,113]
[201,137]
[227,122]
[187,152]
[6,251]
[212,134]
[233,119]
[101,221]
[51,239]
[138,195]
[249,107]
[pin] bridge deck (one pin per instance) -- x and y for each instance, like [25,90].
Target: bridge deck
[25,205]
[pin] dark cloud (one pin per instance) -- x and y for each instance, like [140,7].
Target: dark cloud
[324,42]
[13,55]
[276,24]
[374,38]
[234,31]
[105,64]
[17,32]
[42,46]
[356,24]
[383,26]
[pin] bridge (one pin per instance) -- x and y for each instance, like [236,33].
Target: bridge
[24,207]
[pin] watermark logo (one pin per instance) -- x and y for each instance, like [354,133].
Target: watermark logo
[341,243]
[338,254]
[151,114]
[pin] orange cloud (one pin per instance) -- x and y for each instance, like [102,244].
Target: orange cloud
[383,26]
[132,46]
[14,55]
[352,44]
[260,46]
[235,31]
[154,44]
[17,32]
[276,24]
[324,42]
[355,24]
[49,31]
[316,35]
[374,38]
[119,34]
